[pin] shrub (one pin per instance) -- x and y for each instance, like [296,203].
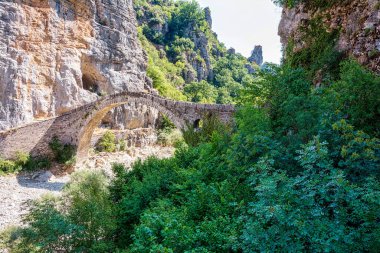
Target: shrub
[63,153]
[107,142]
[23,162]
[169,137]
[358,94]
[80,220]
[7,167]
[122,145]
[319,58]
[301,213]
[167,134]
[29,163]
[209,126]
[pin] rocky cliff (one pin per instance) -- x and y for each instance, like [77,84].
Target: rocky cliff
[257,55]
[357,23]
[58,54]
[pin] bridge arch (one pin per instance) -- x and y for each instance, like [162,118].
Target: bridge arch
[76,127]
[94,118]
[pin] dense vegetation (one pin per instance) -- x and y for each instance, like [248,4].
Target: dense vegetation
[298,171]
[185,59]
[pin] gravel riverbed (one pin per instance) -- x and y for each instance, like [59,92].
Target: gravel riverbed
[16,190]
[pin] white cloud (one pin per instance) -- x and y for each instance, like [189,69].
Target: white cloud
[242,24]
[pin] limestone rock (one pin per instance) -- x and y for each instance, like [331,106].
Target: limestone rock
[257,55]
[56,55]
[357,20]
[208,16]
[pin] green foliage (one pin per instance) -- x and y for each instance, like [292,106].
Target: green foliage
[291,176]
[164,74]
[165,124]
[8,167]
[208,126]
[80,220]
[28,163]
[299,170]
[169,137]
[360,153]
[188,14]
[230,76]
[359,95]
[319,57]
[107,142]
[23,162]
[177,39]
[201,92]
[167,133]
[122,145]
[63,153]
[319,210]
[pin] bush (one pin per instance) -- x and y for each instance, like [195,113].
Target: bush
[7,167]
[169,137]
[63,153]
[210,125]
[29,163]
[358,94]
[80,220]
[107,143]
[319,58]
[122,145]
[23,162]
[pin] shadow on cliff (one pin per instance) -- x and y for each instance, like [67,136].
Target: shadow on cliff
[28,182]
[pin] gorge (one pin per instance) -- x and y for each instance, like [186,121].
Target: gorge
[152,136]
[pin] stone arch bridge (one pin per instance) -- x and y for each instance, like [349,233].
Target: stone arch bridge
[77,126]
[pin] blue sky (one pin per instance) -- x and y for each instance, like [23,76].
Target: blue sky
[242,24]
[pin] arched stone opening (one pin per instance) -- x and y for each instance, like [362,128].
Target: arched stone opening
[94,119]
[197,124]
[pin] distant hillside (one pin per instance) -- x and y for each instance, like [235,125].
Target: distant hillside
[186,59]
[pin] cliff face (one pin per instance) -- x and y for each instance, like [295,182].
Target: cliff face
[56,55]
[197,60]
[257,55]
[358,23]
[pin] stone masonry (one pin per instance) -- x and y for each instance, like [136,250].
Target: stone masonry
[76,127]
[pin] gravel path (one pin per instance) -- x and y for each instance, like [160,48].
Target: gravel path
[16,190]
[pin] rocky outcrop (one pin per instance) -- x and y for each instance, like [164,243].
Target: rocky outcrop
[257,55]
[208,16]
[201,65]
[358,22]
[56,55]
[154,17]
